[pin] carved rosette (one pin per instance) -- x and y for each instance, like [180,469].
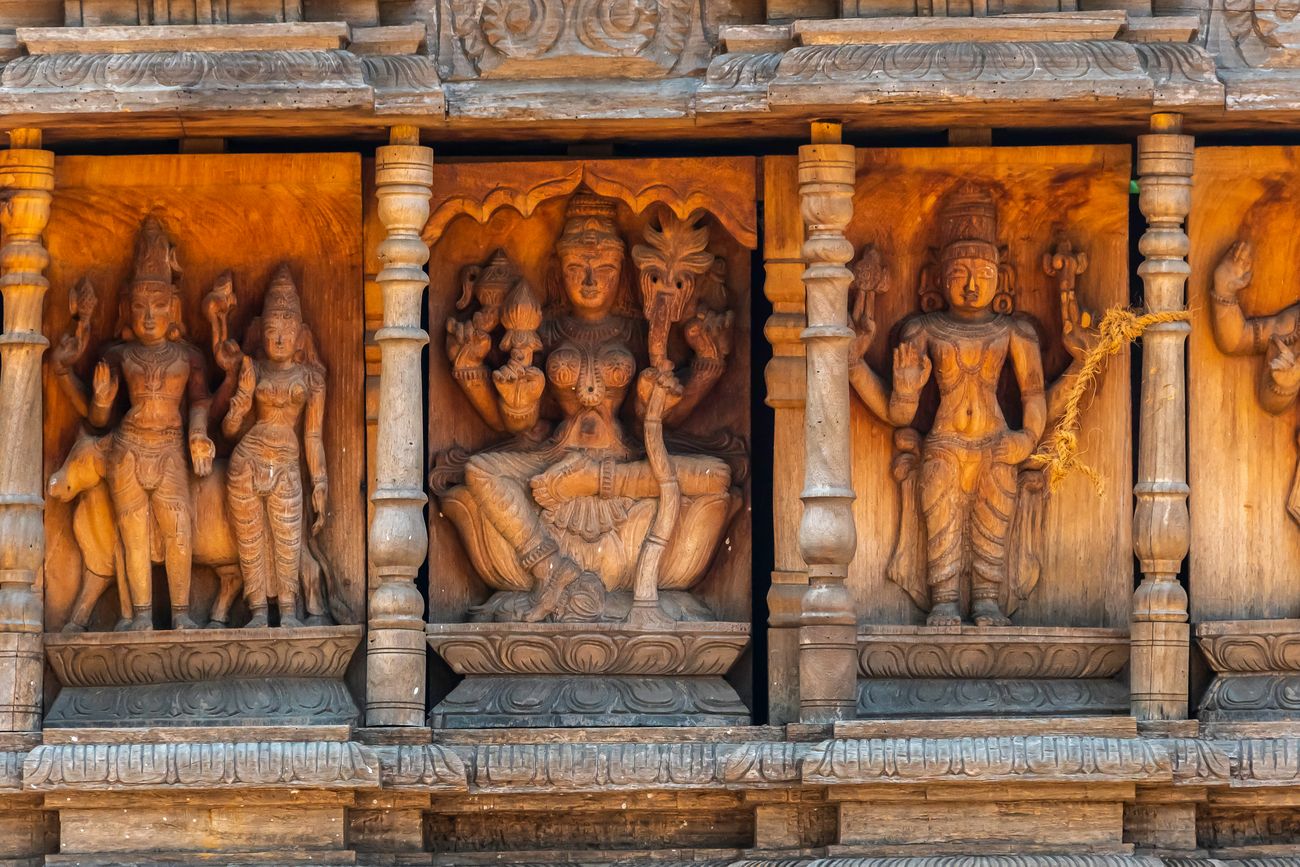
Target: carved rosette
[567,38]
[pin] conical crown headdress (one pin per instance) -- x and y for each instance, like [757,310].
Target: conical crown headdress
[589,221]
[155,257]
[282,294]
[968,223]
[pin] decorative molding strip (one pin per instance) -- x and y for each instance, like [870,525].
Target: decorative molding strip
[186,70]
[1051,758]
[404,84]
[583,700]
[614,649]
[426,767]
[97,659]
[569,767]
[134,767]
[1182,74]
[1258,762]
[990,652]
[994,861]
[1198,762]
[1251,646]
[910,698]
[11,771]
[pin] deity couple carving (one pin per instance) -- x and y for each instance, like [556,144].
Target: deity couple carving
[152,489]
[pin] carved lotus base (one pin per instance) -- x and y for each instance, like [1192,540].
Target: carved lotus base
[203,677]
[925,671]
[600,674]
[1257,670]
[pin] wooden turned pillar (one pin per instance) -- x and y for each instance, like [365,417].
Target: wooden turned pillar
[27,179]
[399,538]
[1161,528]
[827,538]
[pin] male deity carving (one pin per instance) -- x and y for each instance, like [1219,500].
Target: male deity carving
[972,492]
[278,388]
[579,502]
[1274,336]
[155,441]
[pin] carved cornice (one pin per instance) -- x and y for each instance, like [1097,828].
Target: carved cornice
[137,767]
[481,189]
[1198,762]
[510,648]
[224,80]
[145,658]
[1049,758]
[991,652]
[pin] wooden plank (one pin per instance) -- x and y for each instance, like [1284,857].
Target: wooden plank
[294,36]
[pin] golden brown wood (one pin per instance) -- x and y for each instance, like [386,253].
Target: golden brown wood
[211,206]
[27,177]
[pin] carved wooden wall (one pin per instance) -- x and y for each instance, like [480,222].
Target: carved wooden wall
[245,214]
[1087,571]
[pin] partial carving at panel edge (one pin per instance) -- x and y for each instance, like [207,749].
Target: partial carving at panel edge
[973,493]
[144,478]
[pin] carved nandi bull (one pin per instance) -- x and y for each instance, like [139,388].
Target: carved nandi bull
[81,478]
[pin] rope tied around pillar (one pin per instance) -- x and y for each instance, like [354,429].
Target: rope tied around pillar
[1119,327]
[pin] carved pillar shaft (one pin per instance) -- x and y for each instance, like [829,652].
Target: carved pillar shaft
[27,176]
[399,538]
[1161,528]
[827,538]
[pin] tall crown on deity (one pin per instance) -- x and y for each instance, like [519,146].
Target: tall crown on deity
[155,264]
[282,295]
[968,224]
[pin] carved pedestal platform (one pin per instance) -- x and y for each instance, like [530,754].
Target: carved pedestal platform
[599,674]
[1257,670]
[203,677]
[923,671]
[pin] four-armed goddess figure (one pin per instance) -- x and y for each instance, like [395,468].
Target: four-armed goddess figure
[1275,337]
[972,497]
[279,386]
[155,442]
[557,516]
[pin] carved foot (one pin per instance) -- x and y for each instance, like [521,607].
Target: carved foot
[142,622]
[123,624]
[547,597]
[319,620]
[288,621]
[71,628]
[181,620]
[217,624]
[985,612]
[259,619]
[944,614]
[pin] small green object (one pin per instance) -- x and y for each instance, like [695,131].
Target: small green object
[1132,188]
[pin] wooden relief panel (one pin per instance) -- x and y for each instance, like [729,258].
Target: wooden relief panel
[1242,380]
[254,265]
[589,364]
[1040,221]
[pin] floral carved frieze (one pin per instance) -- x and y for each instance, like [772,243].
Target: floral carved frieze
[275,765]
[1049,758]
[973,652]
[423,767]
[543,648]
[122,659]
[570,38]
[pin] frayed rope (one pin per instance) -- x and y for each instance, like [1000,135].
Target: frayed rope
[1119,327]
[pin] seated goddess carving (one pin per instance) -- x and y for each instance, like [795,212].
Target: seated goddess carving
[555,517]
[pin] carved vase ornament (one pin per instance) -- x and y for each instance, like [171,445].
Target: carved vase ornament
[973,494]
[582,502]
